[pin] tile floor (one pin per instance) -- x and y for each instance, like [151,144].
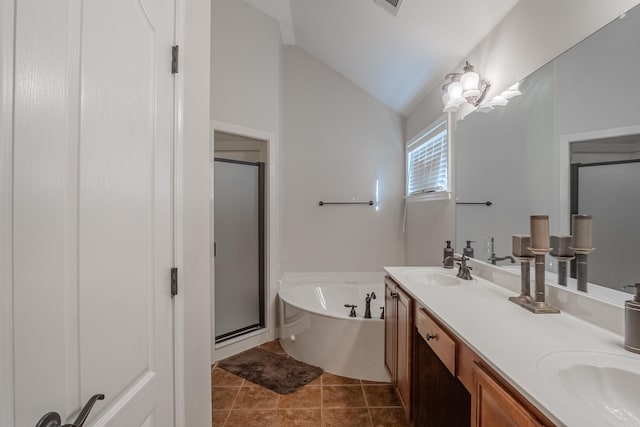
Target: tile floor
[330,400]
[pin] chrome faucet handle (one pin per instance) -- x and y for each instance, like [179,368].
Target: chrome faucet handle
[373,295]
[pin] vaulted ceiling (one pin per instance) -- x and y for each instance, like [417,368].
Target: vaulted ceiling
[397,59]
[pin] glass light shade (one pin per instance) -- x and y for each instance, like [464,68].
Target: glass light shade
[512,91]
[470,81]
[445,98]
[484,108]
[497,101]
[450,107]
[455,92]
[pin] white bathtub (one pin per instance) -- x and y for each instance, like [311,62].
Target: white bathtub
[315,327]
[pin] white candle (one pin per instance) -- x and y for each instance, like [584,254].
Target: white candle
[582,232]
[540,231]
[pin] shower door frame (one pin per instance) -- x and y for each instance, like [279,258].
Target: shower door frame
[261,254]
[272,244]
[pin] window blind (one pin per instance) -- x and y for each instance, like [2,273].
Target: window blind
[427,162]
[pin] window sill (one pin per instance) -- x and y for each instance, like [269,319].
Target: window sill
[440,195]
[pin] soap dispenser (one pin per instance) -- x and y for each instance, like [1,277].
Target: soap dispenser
[468,251]
[447,259]
[632,321]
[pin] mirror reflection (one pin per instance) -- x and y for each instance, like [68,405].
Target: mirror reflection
[579,109]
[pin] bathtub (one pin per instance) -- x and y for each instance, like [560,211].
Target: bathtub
[315,327]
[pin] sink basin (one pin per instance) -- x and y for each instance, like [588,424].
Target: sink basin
[600,389]
[429,277]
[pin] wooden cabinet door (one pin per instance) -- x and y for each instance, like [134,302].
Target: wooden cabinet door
[493,406]
[390,322]
[404,352]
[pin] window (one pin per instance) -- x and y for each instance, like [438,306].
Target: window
[427,162]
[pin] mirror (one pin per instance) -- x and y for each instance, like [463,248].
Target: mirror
[518,156]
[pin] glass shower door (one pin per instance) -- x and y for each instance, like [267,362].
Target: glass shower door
[238,247]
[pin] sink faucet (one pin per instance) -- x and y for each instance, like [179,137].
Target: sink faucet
[493,258]
[367,300]
[464,270]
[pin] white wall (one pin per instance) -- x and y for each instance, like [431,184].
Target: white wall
[193,256]
[340,144]
[532,34]
[246,99]
[246,56]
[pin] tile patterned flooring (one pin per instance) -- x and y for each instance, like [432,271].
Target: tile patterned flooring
[330,400]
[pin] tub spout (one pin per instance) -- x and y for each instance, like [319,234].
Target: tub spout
[367,300]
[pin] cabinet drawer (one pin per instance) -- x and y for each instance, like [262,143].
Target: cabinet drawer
[439,341]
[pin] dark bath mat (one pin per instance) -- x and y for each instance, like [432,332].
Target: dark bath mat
[279,373]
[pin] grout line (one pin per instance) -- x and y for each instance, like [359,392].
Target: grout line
[366,401]
[233,404]
[322,399]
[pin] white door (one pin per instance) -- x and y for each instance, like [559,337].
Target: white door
[92,211]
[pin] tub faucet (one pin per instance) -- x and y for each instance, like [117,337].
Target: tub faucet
[493,258]
[352,313]
[367,300]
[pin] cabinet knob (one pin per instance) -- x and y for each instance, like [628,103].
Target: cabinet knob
[393,295]
[431,336]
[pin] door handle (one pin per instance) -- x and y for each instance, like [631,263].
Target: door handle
[52,419]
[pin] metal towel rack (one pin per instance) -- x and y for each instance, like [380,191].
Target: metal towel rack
[321,203]
[487,203]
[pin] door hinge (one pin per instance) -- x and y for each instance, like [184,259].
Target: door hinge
[174,281]
[174,59]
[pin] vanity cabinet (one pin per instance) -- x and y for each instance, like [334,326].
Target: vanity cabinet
[398,326]
[440,380]
[439,398]
[495,406]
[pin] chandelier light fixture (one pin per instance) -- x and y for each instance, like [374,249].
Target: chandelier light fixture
[469,87]
[464,87]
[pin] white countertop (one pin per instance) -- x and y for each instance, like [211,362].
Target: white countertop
[511,339]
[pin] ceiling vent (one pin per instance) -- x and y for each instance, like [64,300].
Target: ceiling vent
[391,6]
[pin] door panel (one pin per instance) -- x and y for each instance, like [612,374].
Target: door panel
[237,225]
[92,209]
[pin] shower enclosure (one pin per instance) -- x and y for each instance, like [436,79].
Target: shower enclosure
[239,247]
[609,191]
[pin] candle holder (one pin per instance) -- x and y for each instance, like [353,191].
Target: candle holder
[525,282]
[562,268]
[581,266]
[563,253]
[539,305]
